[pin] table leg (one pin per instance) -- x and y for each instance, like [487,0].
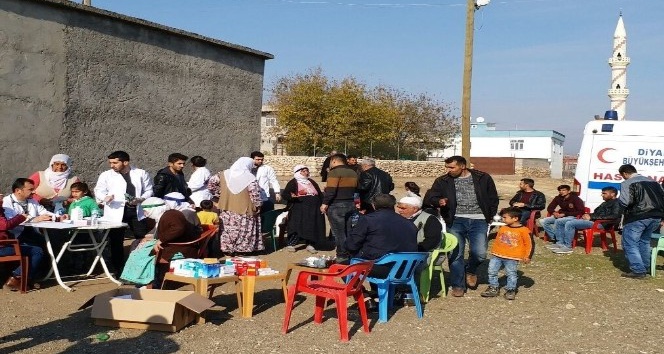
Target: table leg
[284,288]
[238,294]
[94,262]
[248,287]
[54,262]
[201,287]
[288,273]
[100,250]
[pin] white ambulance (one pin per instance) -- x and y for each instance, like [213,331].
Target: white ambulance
[608,144]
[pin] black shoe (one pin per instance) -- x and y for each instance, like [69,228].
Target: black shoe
[510,294]
[491,291]
[633,275]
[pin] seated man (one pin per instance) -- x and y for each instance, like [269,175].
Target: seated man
[429,228]
[609,210]
[563,208]
[527,199]
[33,253]
[381,232]
[21,202]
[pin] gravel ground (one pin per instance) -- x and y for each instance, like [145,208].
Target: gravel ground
[566,304]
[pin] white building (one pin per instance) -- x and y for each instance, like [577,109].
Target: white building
[271,140]
[541,149]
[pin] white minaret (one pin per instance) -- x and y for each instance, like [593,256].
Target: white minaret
[618,63]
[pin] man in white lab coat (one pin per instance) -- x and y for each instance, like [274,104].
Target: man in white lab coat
[122,189]
[266,178]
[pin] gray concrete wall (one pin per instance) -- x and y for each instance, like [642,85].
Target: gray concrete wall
[87,82]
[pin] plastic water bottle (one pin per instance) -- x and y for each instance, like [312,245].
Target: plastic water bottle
[77,213]
[94,218]
[58,215]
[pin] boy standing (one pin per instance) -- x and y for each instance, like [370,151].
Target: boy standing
[513,243]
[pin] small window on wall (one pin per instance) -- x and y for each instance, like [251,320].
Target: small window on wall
[270,122]
[516,144]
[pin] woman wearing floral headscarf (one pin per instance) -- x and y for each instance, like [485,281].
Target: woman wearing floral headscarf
[239,203]
[53,184]
[306,224]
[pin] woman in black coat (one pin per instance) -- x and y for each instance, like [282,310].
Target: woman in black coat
[306,224]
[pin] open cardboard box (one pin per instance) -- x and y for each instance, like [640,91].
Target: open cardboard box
[157,310]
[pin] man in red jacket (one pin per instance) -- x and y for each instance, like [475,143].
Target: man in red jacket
[34,253]
[563,208]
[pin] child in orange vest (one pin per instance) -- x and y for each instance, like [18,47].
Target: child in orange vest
[513,244]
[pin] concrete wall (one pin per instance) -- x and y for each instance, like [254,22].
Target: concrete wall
[85,82]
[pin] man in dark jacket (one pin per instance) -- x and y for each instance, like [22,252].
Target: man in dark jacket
[373,181]
[468,201]
[643,200]
[382,232]
[564,207]
[171,178]
[338,200]
[528,199]
[609,210]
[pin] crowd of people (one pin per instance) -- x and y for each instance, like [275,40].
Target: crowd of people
[366,221]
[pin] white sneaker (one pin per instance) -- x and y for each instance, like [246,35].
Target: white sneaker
[311,249]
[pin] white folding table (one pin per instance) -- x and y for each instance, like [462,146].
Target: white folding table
[94,245]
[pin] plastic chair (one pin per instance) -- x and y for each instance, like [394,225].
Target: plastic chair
[427,273]
[202,242]
[588,235]
[531,224]
[406,264]
[330,285]
[655,252]
[268,225]
[17,256]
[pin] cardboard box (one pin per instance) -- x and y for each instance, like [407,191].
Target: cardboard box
[157,310]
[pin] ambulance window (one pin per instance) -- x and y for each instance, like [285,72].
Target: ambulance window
[607,128]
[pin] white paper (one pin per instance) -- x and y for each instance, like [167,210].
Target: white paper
[50,225]
[114,211]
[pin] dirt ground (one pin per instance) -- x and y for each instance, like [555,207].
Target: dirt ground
[574,303]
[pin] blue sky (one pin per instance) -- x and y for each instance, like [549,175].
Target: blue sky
[538,64]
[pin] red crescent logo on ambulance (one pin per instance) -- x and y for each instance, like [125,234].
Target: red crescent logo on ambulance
[600,155]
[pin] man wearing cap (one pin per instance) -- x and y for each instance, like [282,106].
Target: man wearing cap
[429,228]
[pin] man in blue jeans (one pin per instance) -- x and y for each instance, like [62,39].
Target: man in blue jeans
[338,201]
[643,201]
[609,210]
[468,200]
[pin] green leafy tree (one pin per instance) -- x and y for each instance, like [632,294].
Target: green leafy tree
[320,114]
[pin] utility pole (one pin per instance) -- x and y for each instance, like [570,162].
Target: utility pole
[467,77]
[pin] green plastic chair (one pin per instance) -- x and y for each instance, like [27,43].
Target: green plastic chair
[655,251]
[268,221]
[427,274]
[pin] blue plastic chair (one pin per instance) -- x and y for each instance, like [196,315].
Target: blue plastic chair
[403,272]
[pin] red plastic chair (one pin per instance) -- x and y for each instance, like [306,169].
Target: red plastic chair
[331,286]
[588,235]
[17,256]
[531,224]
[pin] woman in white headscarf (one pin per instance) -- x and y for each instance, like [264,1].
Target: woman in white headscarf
[239,203]
[177,201]
[53,184]
[306,224]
